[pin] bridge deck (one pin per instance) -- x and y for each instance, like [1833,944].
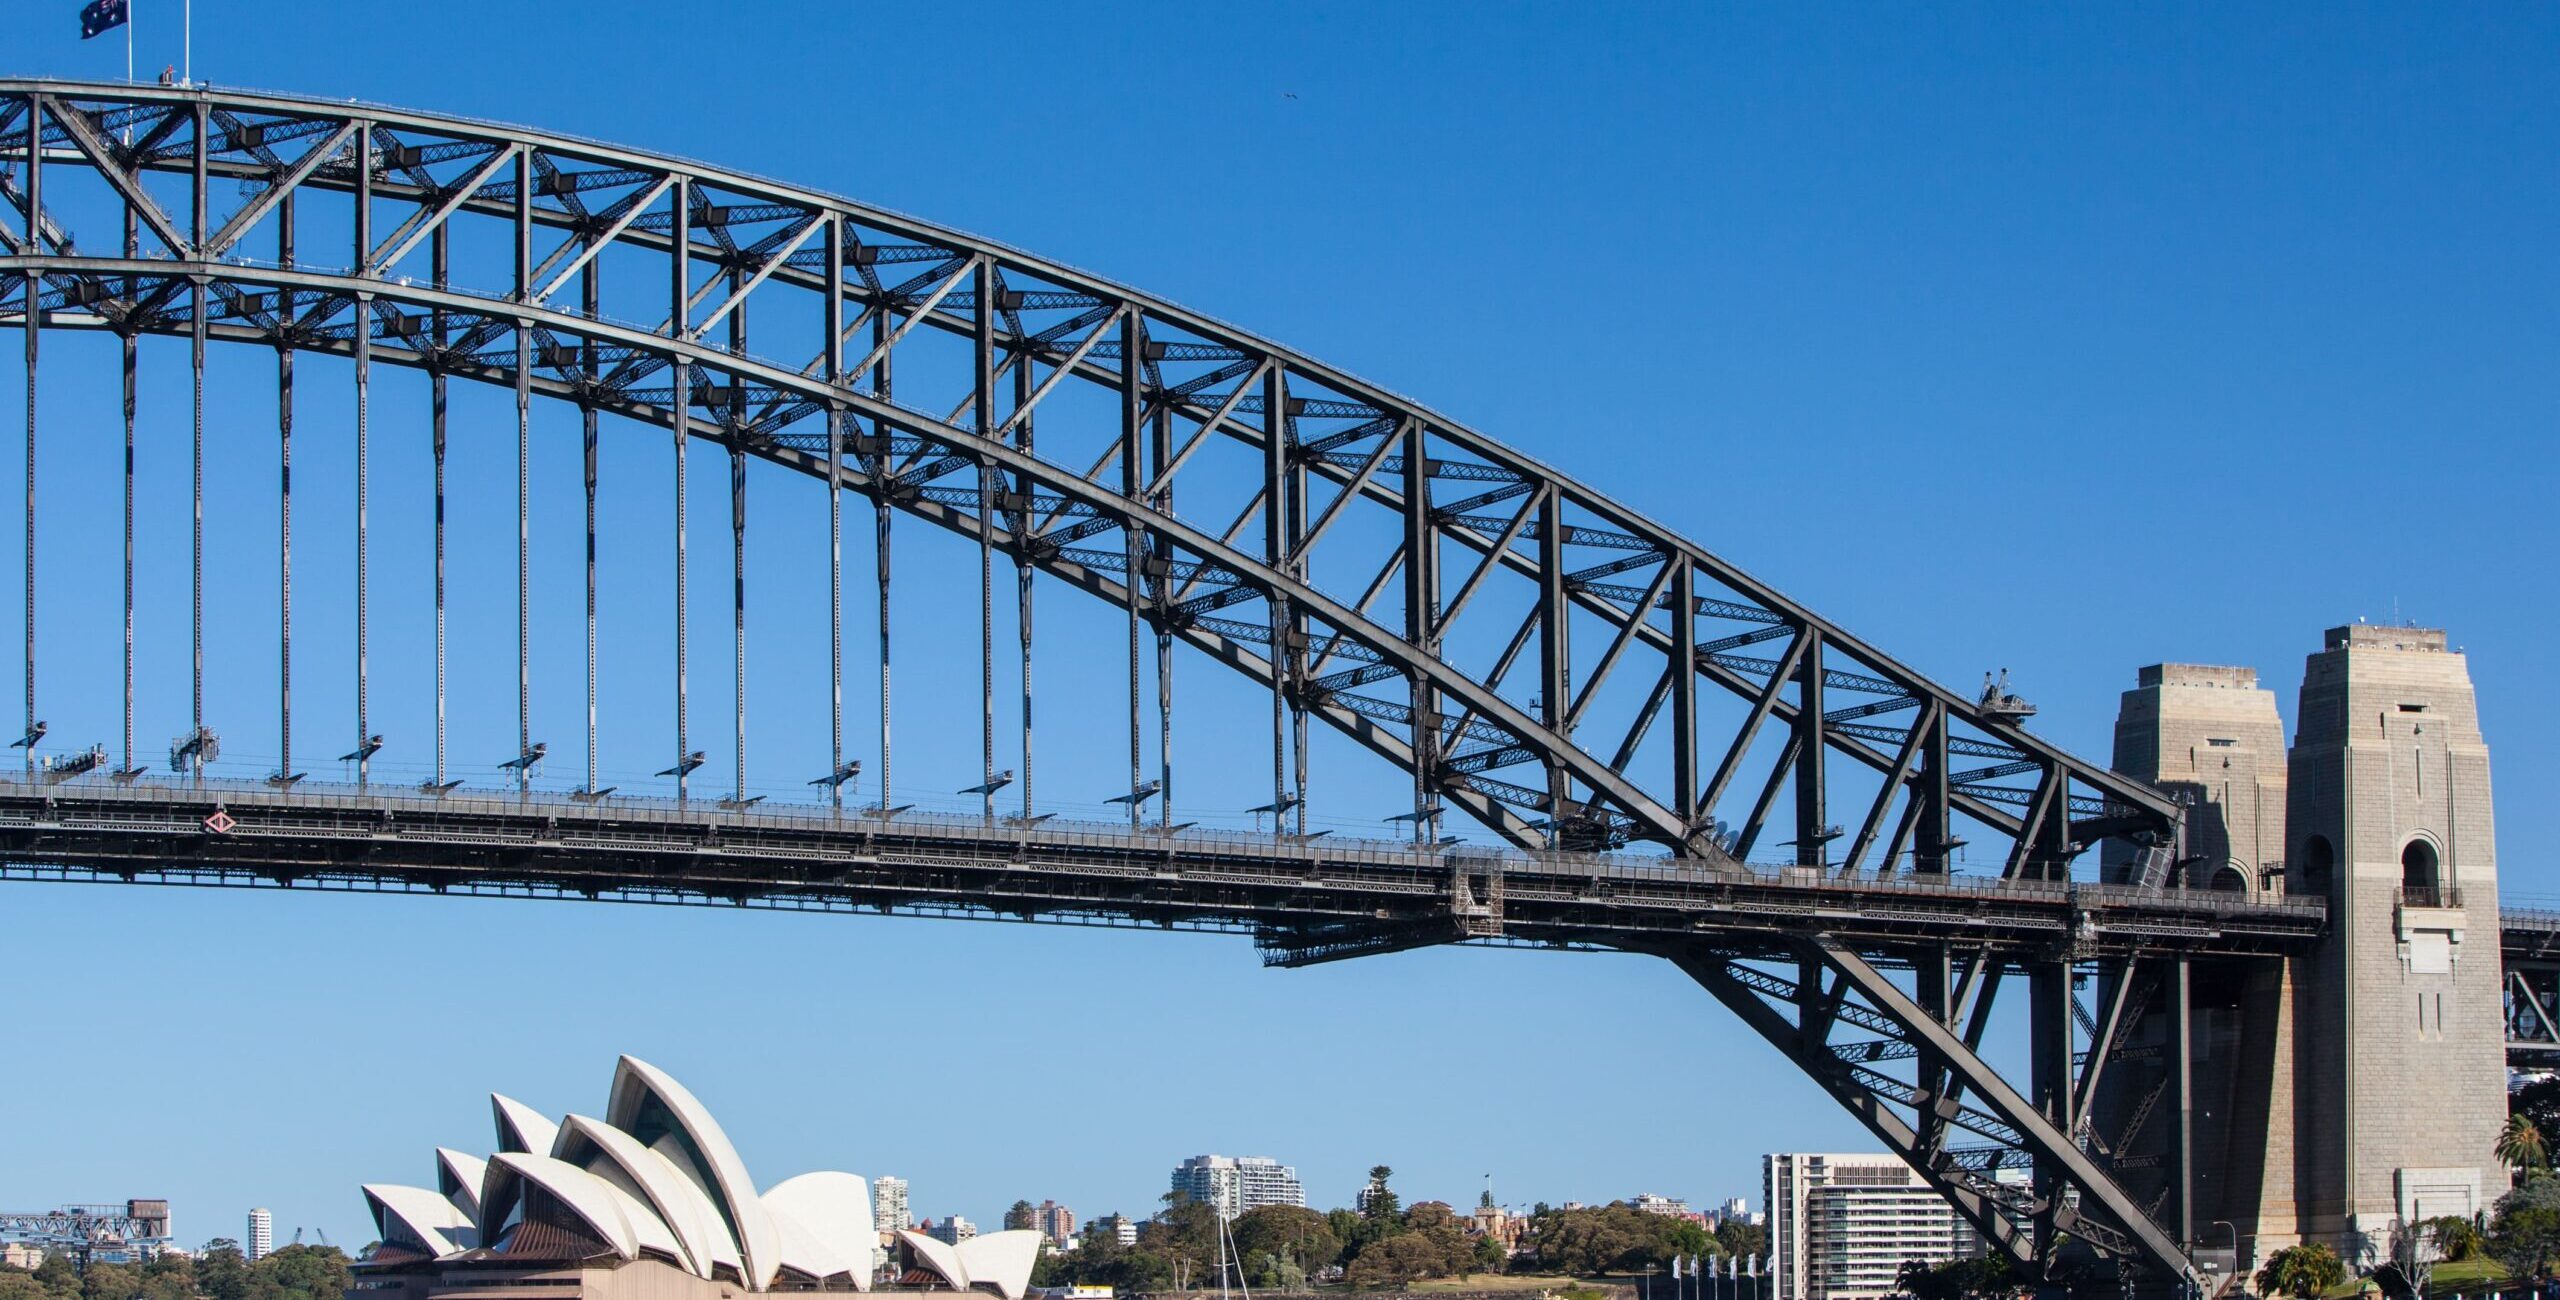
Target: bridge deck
[642,850]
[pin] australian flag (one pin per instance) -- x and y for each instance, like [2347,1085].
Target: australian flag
[99,17]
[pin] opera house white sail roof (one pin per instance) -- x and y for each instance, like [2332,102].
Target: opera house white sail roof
[657,1180]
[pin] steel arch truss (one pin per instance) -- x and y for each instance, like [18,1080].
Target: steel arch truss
[2050,1175]
[1546,661]
[1523,649]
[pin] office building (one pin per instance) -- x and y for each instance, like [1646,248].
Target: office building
[889,1205]
[262,1234]
[1237,1184]
[1841,1226]
[952,1230]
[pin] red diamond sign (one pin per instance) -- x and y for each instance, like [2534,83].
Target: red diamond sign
[220,823]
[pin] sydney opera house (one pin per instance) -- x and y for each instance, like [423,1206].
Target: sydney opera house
[650,1203]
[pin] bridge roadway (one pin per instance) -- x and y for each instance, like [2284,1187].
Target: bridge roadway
[1305,897]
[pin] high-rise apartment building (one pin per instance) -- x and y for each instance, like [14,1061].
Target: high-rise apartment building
[1122,1228]
[952,1230]
[262,1234]
[1235,1184]
[889,1204]
[1055,1223]
[1841,1226]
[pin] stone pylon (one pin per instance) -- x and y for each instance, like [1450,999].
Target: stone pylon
[2399,1049]
[2211,736]
[2360,1086]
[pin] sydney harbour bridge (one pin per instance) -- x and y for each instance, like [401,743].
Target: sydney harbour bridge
[1610,737]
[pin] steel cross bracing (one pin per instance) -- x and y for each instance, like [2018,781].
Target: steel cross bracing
[81,1224]
[1841,1019]
[2530,949]
[1521,649]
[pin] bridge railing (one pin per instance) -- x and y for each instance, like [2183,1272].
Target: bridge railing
[1175,849]
[2431,896]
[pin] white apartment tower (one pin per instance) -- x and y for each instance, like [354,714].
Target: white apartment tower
[1235,1184]
[889,1205]
[1840,1226]
[262,1234]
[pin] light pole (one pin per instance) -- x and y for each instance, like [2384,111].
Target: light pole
[2234,1229]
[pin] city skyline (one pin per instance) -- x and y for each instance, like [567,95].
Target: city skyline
[2064,302]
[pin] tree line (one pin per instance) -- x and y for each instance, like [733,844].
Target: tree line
[1380,1244]
[221,1272]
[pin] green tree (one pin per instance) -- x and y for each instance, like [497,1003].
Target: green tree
[1145,1270]
[1019,1216]
[169,1276]
[1096,1260]
[1356,1231]
[2538,1101]
[1740,1238]
[1378,1202]
[1184,1235]
[1984,1277]
[299,1272]
[111,1283]
[106,1281]
[2521,1145]
[60,1280]
[1490,1256]
[1446,1234]
[18,1284]
[1616,1238]
[1676,1237]
[2455,1237]
[222,1271]
[2304,1271]
[1290,1234]
[2525,1235]
[1396,1260]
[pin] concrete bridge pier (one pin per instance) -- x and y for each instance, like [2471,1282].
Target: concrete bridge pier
[2359,1086]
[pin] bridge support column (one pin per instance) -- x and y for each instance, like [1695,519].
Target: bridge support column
[2345,1093]
[2211,1040]
[2401,1068]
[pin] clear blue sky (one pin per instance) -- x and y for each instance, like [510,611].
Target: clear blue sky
[2090,335]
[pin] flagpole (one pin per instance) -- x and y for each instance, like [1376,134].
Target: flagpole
[128,44]
[188,56]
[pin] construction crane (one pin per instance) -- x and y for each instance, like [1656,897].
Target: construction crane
[82,1231]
